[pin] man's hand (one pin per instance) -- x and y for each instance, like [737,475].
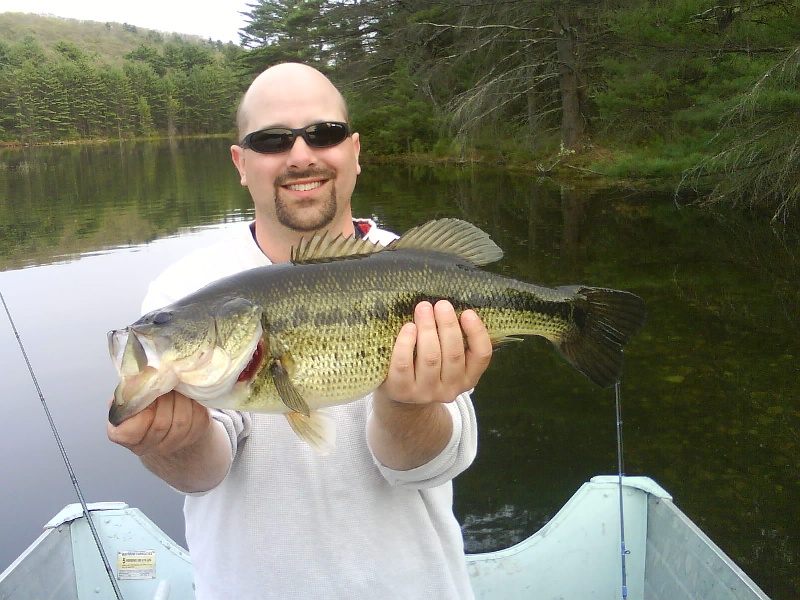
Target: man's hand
[430,365]
[441,368]
[176,438]
[171,423]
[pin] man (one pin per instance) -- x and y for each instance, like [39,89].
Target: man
[265,516]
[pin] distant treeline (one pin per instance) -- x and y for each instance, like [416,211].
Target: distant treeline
[61,92]
[704,89]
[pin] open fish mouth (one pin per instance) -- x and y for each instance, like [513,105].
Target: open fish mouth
[149,366]
[131,353]
[140,382]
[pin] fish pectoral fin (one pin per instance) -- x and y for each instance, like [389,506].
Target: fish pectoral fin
[286,390]
[318,430]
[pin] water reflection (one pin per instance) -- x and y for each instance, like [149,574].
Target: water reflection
[506,526]
[710,388]
[62,201]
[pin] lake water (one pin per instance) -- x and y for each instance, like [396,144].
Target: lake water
[710,392]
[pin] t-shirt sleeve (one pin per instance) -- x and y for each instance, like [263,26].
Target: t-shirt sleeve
[237,426]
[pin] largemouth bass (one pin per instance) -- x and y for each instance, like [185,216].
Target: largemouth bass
[318,331]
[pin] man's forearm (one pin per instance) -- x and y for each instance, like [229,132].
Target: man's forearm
[405,436]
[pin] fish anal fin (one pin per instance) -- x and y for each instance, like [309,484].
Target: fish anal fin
[500,340]
[286,390]
[451,236]
[318,430]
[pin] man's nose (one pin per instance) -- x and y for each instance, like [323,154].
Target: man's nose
[301,155]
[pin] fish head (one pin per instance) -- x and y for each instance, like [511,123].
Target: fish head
[198,349]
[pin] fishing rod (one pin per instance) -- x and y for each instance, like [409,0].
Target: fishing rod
[63,450]
[621,470]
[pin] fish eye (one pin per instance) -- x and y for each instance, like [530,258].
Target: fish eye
[162,318]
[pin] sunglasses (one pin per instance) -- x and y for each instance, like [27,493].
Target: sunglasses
[274,140]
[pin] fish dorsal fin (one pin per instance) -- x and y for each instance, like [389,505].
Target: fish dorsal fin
[322,248]
[451,236]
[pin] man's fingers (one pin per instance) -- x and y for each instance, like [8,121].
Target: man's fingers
[163,426]
[451,341]
[429,360]
[479,346]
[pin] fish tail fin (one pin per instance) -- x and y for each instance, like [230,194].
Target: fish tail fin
[318,430]
[604,322]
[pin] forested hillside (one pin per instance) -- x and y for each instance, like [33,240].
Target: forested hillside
[109,40]
[64,80]
[704,89]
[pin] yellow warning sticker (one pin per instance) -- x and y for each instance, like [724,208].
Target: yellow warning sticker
[136,564]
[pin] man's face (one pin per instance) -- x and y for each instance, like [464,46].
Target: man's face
[304,189]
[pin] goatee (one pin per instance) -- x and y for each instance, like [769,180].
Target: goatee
[298,219]
[309,215]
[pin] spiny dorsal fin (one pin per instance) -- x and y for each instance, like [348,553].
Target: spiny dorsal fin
[451,236]
[320,248]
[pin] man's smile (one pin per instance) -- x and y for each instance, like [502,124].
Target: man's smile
[305,186]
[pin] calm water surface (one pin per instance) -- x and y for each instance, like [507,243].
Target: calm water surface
[710,392]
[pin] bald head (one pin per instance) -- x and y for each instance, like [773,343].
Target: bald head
[282,84]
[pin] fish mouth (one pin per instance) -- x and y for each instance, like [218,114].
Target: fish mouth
[133,394]
[148,368]
[140,382]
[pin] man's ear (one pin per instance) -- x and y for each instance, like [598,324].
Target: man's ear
[357,150]
[237,156]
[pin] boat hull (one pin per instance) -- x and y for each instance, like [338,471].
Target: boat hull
[577,554]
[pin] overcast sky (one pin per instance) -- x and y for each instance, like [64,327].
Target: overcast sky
[218,19]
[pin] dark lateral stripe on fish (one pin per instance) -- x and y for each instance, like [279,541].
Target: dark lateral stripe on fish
[335,315]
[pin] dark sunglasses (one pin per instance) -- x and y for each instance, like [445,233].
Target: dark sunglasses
[274,140]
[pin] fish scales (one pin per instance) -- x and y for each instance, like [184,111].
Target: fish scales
[326,325]
[353,305]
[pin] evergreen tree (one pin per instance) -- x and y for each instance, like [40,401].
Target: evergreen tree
[758,162]
[119,104]
[281,31]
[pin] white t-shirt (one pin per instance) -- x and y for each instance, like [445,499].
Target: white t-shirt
[286,523]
